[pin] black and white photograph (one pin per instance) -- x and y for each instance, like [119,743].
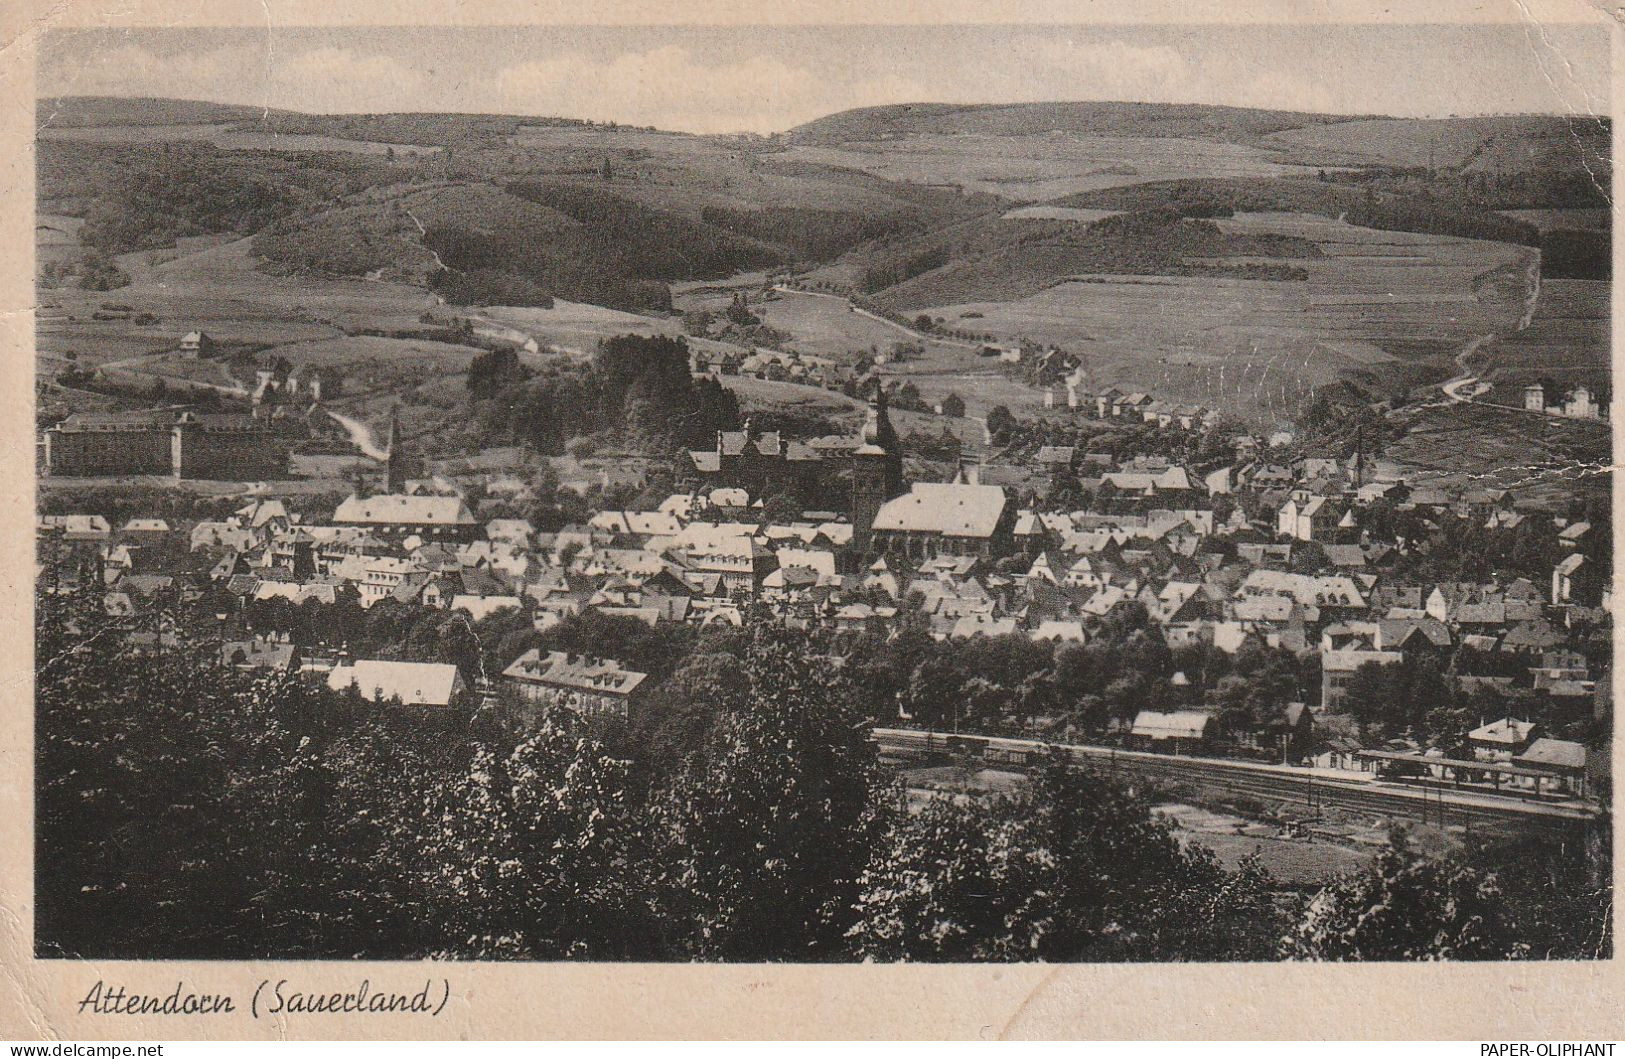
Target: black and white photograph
[907,493]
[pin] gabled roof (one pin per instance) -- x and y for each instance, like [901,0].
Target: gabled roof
[414,683]
[1561,754]
[1344,555]
[1571,564]
[392,509]
[1507,731]
[950,509]
[574,672]
[1181,724]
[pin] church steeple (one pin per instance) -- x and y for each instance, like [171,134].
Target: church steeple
[877,468]
[396,466]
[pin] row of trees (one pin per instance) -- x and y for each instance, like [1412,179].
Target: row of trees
[1418,696]
[186,811]
[1435,210]
[1016,685]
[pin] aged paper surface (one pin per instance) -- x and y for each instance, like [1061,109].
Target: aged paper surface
[759,91]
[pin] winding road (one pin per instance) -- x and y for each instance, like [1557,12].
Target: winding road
[1465,387]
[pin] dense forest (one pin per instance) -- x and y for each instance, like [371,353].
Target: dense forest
[155,195]
[813,235]
[192,811]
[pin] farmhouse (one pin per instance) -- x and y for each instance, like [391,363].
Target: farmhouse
[197,343]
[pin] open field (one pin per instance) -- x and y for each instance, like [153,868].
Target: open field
[1032,168]
[1081,214]
[217,290]
[56,240]
[1566,341]
[794,397]
[1542,460]
[576,327]
[426,379]
[222,284]
[1382,307]
[1474,144]
[827,327]
[982,385]
[226,136]
[1291,861]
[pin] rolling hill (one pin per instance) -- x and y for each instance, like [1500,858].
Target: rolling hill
[1151,120]
[503,210]
[1344,246]
[1490,143]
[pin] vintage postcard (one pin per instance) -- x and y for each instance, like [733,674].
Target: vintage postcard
[1022,520]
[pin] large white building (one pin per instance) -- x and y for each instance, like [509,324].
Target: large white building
[422,685]
[936,518]
[395,515]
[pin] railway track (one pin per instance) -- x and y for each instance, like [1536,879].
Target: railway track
[1275,783]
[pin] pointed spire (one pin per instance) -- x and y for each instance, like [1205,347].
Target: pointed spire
[395,468]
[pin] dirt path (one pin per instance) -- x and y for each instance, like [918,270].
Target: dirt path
[135,366]
[361,435]
[1466,386]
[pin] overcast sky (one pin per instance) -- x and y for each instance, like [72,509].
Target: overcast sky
[711,79]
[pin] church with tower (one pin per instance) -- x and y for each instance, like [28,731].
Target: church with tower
[864,476]
[877,470]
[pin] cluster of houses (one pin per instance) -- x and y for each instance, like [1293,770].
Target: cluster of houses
[1126,406]
[772,365]
[1306,572]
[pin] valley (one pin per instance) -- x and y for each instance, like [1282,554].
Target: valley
[1200,256]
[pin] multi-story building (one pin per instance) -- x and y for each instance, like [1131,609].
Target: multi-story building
[587,684]
[94,444]
[228,446]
